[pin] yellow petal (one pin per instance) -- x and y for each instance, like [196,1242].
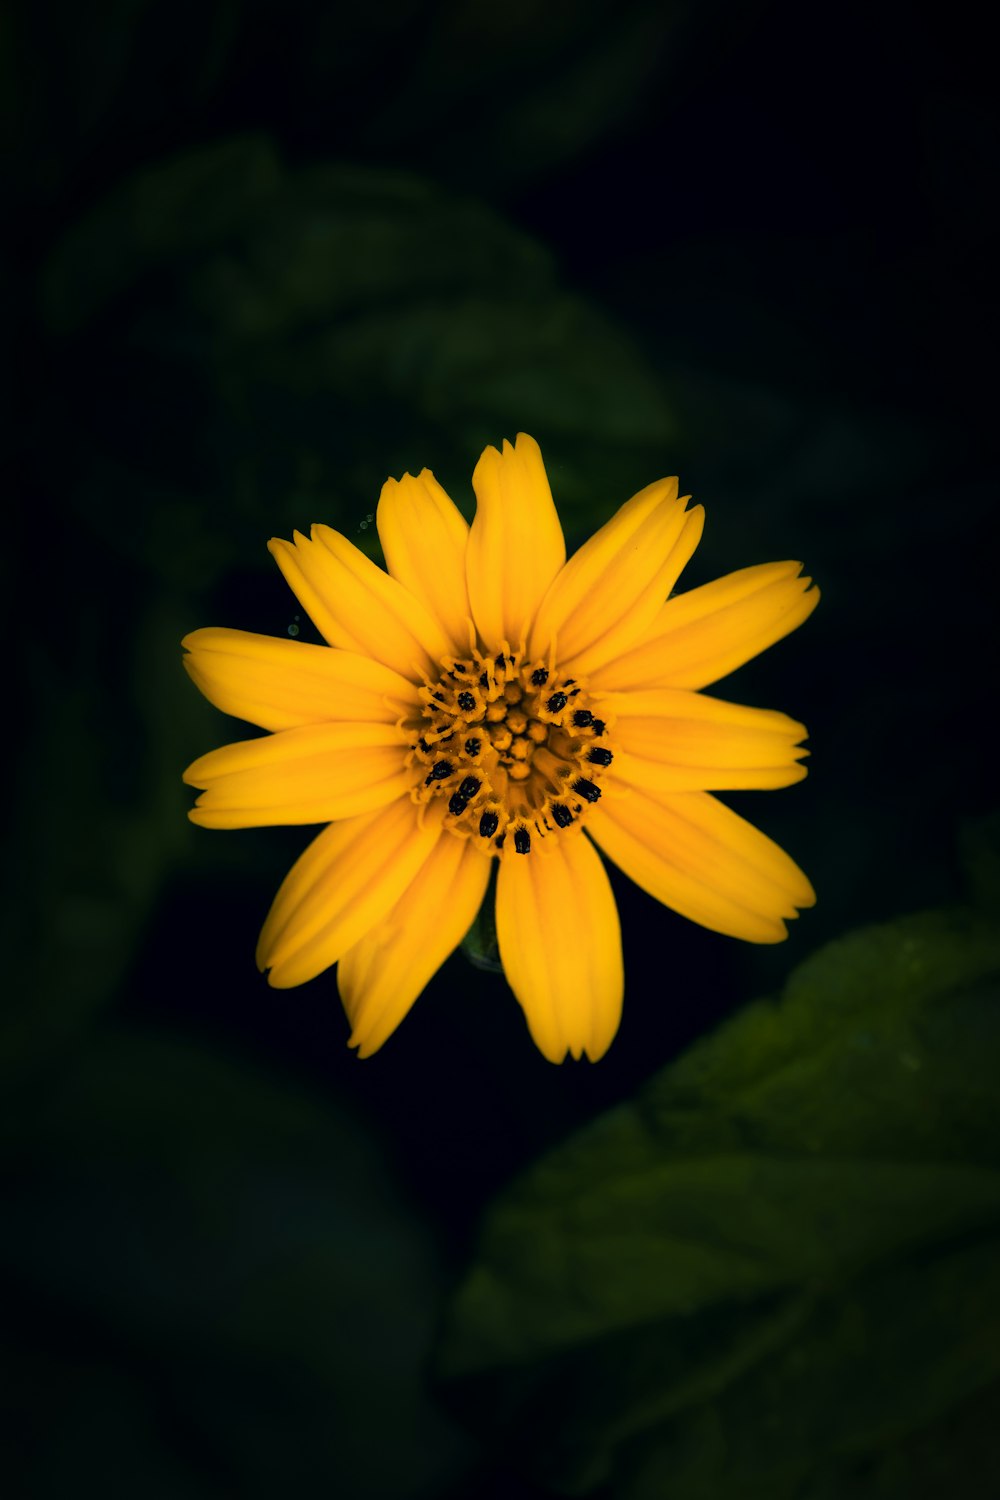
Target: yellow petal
[704,861]
[610,592]
[307,775]
[424,537]
[280,684]
[516,544]
[357,606]
[382,975]
[350,876]
[560,943]
[673,740]
[707,633]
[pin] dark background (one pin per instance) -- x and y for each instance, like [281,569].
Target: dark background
[258,258]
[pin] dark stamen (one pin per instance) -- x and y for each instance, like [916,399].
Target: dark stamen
[562,814]
[469,787]
[457,804]
[498,661]
[599,726]
[484,681]
[466,702]
[473,747]
[522,840]
[488,824]
[556,703]
[440,770]
[500,840]
[438,696]
[539,677]
[582,718]
[598,756]
[586,789]
[423,745]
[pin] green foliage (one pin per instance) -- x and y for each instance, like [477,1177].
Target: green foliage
[238,1246]
[237,350]
[776,1272]
[99,816]
[244,350]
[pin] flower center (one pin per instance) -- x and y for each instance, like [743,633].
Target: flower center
[512,747]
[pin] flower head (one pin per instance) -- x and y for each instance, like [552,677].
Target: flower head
[482,700]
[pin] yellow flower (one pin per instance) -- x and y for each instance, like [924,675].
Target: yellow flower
[484,699]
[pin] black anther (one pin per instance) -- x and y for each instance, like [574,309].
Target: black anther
[440,770]
[522,840]
[562,814]
[598,756]
[466,702]
[599,726]
[582,718]
[556,703]
[488,824]
[469,787]
[586,789]
[539,677]
[473,747]
[457,804]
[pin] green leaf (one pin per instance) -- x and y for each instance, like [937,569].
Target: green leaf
[244,349]
[873,1365]
[163,214]
[99,820]
[980,843]
[240,1249]
[833,1156]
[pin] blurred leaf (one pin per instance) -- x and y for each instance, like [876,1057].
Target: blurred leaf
[243,350]
[243,1251]
[891,1354]
[801,1195]
[164,213]
[981,858]
[78,1423]
[99,820]
[513,92]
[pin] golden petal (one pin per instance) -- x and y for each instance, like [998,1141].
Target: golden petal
[516,544]
[350,876]
[281,684]
[704,861]
[383,974]
[705,634]
[312,774]
[674,740]
[424,537]
[610,592]
[560,943]
[356,605]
